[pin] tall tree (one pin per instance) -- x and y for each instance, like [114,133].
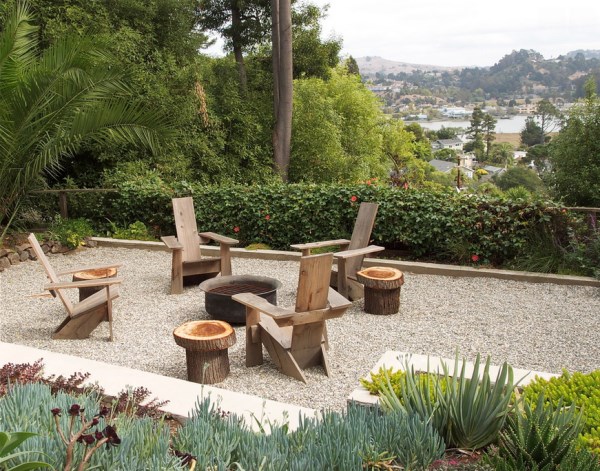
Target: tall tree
[548,116]
[242,24]
[52,102]
[489,132]
[281,11]
[531,134]
[475,132]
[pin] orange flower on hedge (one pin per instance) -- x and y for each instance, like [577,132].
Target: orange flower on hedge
[236,229]
[267,217]
[353,198]
[474,258]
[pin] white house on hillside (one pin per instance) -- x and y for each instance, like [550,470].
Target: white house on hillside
[454,144]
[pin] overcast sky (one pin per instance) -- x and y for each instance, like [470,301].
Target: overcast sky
[461,32]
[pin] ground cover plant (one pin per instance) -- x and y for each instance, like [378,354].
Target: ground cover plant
[75,428]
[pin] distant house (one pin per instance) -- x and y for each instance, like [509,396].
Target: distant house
[519,154]
[454,144]
[447,167]
[491,170]
[442,165]
[453,112]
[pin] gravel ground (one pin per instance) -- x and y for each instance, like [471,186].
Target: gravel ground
[542,327]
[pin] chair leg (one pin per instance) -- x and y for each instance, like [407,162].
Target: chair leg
[109,313]
[177,272]
[254,354]
[225,255]
[325,360]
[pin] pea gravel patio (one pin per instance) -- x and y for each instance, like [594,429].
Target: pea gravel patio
[542,327]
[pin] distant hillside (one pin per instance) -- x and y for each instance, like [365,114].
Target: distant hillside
[518,74]
[371,65]
[587,53]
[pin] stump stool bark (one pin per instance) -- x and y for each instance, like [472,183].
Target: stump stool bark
[206,354]
[93,274]
[382,289]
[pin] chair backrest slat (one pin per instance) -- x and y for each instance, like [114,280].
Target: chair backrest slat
[41,256]
[361,235]
[313,284]
[187,228]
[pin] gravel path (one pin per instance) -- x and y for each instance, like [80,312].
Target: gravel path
[534,326]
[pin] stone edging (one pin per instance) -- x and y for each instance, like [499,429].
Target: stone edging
[24,252]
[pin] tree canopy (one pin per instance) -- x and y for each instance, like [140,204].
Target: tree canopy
[575,154]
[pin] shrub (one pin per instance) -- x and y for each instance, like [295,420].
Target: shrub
[70,232]
[579,388]
[424,222]
[135,231]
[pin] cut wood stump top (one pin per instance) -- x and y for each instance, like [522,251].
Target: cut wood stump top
[94,274]
[207,335]
[380,277]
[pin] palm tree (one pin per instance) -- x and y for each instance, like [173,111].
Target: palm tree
[52,101]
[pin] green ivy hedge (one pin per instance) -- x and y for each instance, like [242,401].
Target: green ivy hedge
[440,225]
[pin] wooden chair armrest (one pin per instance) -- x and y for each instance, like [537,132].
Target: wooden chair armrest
[84,284]
[358,252]
[101,267]
[172,243]
[317,245]
[260,304]
[219,238]
[337,301]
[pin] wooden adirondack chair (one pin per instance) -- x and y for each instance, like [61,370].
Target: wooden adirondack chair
[352,253]
[294,338]
[187,262]
[84,316]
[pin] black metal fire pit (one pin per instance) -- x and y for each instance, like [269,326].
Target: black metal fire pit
[218,292]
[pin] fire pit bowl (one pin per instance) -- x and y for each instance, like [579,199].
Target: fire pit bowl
[218,292]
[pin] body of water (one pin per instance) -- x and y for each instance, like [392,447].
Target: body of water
[514,124]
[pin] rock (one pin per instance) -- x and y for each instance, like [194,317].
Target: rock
[13,258]
[31,254]
[91,243]
[45,248]
[4,252]
[55,249]
[4,262]
[24,256]
[22,247]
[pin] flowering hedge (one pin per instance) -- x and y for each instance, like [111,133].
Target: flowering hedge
[439,225]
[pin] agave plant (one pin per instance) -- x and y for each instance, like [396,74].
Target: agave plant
[52,101]
[8,443]
[467,412]
[540,437]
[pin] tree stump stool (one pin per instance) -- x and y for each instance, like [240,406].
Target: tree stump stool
[206,354]
[93,274]
[382,289]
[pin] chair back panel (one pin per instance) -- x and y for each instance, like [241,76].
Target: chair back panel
[187,229]
[313,283]
[361,235]
[41,256]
